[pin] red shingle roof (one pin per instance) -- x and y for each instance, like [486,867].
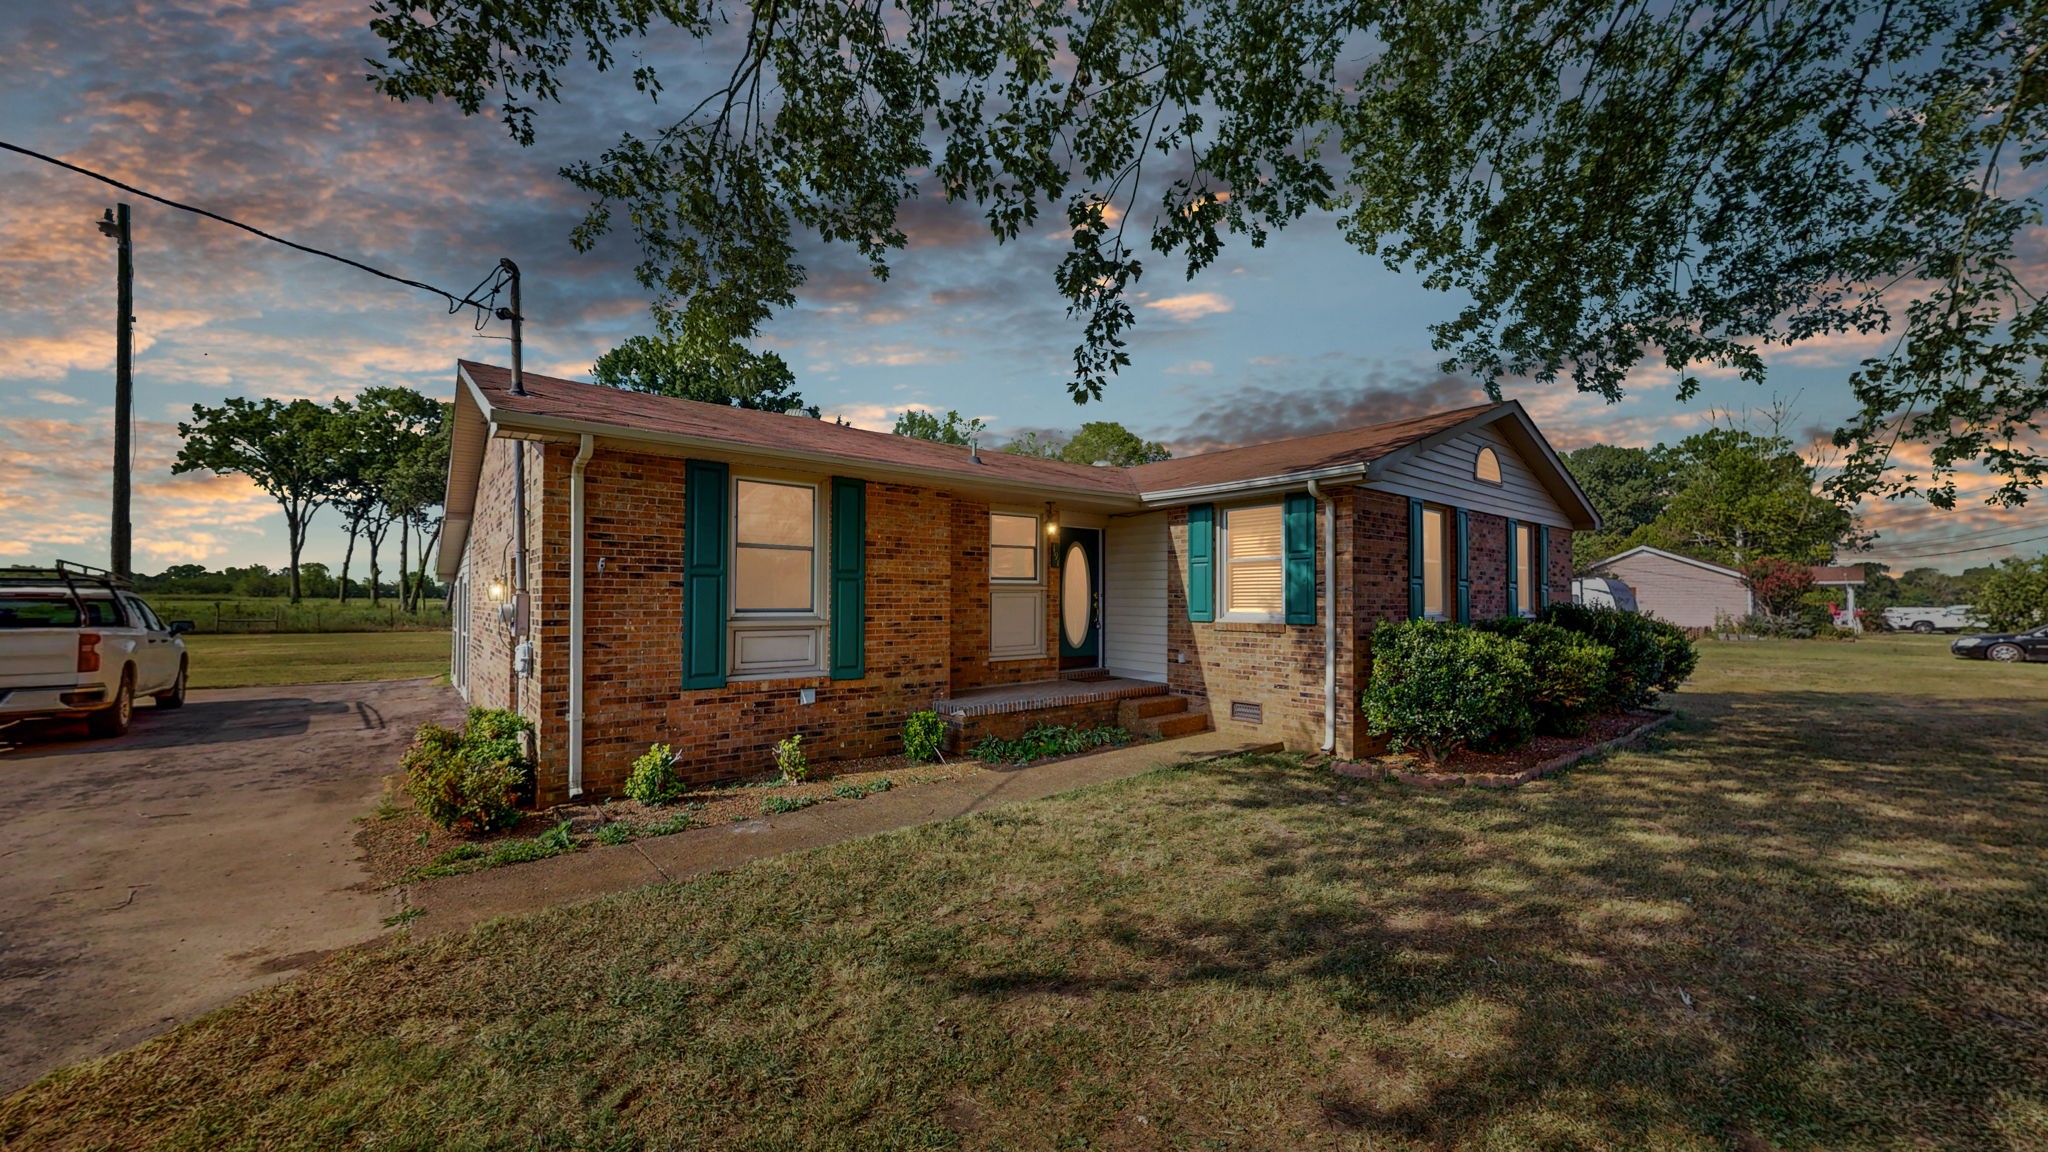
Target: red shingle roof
[547,396]
[1302,454]
[746,428]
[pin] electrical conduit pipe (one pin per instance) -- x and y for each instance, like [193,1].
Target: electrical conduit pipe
[576,549]
[1316,492]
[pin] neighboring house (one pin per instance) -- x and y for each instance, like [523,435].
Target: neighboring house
[1847,577]
[1687,592]
[717,579]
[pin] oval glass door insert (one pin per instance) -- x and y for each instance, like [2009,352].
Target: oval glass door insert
[1077,596]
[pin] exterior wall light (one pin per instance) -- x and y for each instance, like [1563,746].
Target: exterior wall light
[497,591]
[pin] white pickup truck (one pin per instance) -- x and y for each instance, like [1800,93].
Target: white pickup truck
[75,643]
[1953,618]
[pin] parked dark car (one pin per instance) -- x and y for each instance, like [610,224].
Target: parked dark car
[2004,647]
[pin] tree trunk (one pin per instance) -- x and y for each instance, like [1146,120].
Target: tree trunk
[375,538]
[404,539]
[354,527]
[295,538]
[426,550]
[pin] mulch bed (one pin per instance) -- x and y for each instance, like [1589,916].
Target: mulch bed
[396,842]
[1534,760]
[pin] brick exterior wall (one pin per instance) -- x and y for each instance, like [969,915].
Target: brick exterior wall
[1279,667]
[926,625]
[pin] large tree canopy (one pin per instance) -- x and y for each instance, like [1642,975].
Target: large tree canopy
[1606,183]
[714,371]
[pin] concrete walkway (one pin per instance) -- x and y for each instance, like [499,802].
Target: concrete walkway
[457,903]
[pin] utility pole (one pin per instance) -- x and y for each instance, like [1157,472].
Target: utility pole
[120,541]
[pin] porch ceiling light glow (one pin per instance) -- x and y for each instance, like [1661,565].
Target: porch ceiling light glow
[497,591]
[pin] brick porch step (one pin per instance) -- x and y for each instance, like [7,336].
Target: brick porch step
[1162,717]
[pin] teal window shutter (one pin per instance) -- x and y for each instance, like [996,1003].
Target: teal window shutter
[849,578]
[707,525]
[1539,567]
[1201,562]
[1514,571]
[1464,567]
[1415,597]
[1298,543]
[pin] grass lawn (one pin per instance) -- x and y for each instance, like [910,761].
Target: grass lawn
[1813,916]
[314,658]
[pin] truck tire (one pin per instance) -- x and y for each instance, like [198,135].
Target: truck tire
[1924,627]
[175,698]
[113,720]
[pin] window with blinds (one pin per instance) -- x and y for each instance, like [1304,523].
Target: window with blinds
[775,547]
[1012,546]
[1253,574]
[1436,570]
[1525,570]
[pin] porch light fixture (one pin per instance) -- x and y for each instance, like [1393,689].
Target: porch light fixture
[497,591]
[1052,520]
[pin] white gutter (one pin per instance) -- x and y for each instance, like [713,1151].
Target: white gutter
[1329,614]
[576,547]
[1254,486]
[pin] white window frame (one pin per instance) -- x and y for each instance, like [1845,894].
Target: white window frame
[1223,612]
[1447,587]
[1527,570]
[1037,547]
[1017,593]
[764,629]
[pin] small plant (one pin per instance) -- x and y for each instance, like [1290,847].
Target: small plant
[615,833]
[670,825]
[654,779]
[777,805]
[790,758]
[472,857]
[923,735]
[401,919]
[856,791]
[471,777]
[1047,740]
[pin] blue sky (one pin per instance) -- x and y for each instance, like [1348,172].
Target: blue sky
[259,110]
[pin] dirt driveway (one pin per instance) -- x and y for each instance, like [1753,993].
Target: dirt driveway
[147,879]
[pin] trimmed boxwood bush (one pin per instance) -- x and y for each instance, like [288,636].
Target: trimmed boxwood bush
[1569,673]
[1636,669]
[923,735]
[1439,687]
[471,777]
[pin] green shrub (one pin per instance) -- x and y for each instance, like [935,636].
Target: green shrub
[473,777]
[1439,687]
[1570,674]
[1637,667]
[790,758]
[923,735]
[1047,740]
[654,779]
[1681,655]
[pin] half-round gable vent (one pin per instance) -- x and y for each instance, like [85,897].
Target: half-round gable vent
[1487,467]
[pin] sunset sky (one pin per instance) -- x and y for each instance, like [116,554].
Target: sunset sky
[260,111]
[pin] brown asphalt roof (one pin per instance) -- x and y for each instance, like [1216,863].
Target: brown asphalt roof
[548,396]
[746,428]
[1837,574]
[1302,454]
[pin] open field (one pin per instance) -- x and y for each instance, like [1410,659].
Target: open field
[255,615]
[1813,916]
[306,658]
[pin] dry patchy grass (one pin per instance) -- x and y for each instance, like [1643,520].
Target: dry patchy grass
[1811,917]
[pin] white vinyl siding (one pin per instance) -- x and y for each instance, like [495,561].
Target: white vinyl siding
[1446,474]
[1252,575]
[1134,596]
[1687,595]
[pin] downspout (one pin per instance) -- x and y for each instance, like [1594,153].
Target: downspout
[576,548]
[1316,492]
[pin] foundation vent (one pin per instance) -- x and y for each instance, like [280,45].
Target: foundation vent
[1245,712]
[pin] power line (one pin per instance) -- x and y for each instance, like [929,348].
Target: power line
[455,303]
[1957,551]
[1963,537]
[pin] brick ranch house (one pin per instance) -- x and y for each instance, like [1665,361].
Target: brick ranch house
[628,569]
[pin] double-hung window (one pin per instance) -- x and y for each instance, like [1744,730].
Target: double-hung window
[1016,597]
[777,613]
[1437,569]
[1253,572]
[1526,569]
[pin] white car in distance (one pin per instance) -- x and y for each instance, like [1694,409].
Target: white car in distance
[75,643]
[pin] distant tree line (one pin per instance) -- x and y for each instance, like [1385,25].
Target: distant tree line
[317,581]
[380,460]
[1097,441]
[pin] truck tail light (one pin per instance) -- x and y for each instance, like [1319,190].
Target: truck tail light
[88,651]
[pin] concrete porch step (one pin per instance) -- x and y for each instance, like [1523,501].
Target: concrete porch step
[1133,710]
[1162,717]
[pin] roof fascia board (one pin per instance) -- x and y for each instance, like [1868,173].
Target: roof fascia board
[1252,487]
[505,420]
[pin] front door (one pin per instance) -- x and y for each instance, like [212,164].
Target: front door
[1080,598]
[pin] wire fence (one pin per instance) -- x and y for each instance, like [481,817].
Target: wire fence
[277,614]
